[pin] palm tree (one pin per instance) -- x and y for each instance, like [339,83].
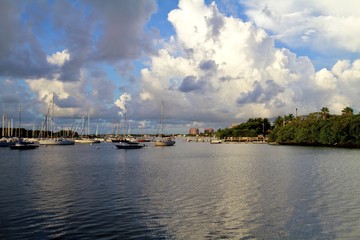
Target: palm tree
[347,111]
[325,112]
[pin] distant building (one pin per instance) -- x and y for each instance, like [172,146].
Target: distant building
[194,131]
[209,131]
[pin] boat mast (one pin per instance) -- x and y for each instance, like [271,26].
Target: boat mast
[20,121]
[52,123]
[88,126]
[161,118]
[125,130]
[82,125]
[3,125]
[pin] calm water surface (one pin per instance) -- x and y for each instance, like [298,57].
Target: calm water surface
[188,191]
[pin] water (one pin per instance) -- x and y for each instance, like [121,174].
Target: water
[188,191]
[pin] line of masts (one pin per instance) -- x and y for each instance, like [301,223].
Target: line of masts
[47,128]
[7,126]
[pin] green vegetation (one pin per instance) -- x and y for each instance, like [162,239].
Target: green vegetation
[318,129]
[252,128]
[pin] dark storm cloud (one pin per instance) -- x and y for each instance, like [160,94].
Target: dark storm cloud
[122,25]
[7,27]
[259,93]
[208,65]
[69,102]
[190,84]
[21,55]
[111,31]
[91,31]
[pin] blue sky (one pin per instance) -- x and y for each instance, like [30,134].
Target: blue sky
[213,63]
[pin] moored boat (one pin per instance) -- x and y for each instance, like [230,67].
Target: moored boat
[163,141]
[168,141]
[129,145]
[215,141]
[56,141]
[20,145]
[6,142]
[87,140]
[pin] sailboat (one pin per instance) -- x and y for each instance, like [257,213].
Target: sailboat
[51,140]
[86,140]
[164,140]
[125,143]
[20,144]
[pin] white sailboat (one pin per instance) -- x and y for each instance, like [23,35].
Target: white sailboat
[21,144]
[52,140]
[164,140]
[86,140]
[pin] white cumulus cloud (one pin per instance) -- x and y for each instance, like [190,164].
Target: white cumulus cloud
[219,69]
[319,24]
[122,101]
[59,58]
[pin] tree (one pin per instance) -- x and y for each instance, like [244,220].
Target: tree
[325,112]
[279,121]
[347,111]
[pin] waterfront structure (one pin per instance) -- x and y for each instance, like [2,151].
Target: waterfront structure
[194,131]
[209,131]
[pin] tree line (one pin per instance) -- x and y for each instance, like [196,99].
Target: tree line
[252,128]
[318,129]
[315,129]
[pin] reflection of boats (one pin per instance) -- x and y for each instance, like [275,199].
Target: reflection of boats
[20,145]
[163,141]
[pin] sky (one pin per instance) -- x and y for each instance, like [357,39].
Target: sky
[207,64]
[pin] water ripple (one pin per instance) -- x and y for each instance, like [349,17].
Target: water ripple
[190,191]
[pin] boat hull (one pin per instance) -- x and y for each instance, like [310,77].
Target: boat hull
[129,146]
[23,146]
[87,141]
[56,142]
[163,143]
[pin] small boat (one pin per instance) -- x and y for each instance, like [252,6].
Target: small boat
[163,141]
[129,145]
[143,140]
[57,141]
[6,143]
[54,141]
[115,140]
[87,140]
[215,141]
[20,145]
